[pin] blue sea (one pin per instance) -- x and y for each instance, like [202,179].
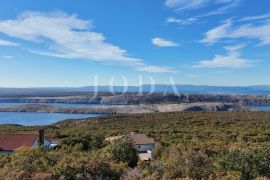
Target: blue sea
[53,104]
[260,108]
[39,119]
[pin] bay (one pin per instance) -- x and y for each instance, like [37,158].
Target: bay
[260,108]
[3,104]
[37,119]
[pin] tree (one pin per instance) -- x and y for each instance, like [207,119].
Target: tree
[83,165]
[25,161]
[251,163]
[198,165]
[85,142]
[122,151]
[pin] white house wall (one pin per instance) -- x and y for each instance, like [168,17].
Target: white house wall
[47,144]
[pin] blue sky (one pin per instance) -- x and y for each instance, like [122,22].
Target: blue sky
[68,43]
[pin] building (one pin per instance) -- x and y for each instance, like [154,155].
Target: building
[143,144]
[11,142]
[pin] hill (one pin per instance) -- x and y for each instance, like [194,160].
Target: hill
[197,145]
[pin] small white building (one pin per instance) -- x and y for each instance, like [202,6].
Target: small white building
[143,144]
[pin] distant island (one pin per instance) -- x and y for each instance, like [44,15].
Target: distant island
[130,98]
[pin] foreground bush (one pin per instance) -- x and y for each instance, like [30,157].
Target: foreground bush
[69,163]
[83,165]
[25,162]
[122,151]
[250,163]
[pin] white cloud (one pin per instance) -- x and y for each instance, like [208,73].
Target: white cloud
[163,42]
[67,36]
[185,4]
[156,69]
[226,5]
[217,33]
[7,43]
[259,17]
[7,57]
[232,60]
[224,9]
[187,21]
[196,4]
[227,31]
[173,20]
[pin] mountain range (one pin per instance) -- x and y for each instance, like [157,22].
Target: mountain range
[146,88]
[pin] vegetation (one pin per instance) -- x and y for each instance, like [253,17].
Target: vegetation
[190,145]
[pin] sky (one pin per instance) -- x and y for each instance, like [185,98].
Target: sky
[131,42]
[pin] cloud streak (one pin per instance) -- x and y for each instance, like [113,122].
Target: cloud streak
[67,36]
[233,59]
[259,17]
[181,5]
[187,21]
[7,57]
[185,4]
[160,42]
[7,43]
[196,4]
[248,31]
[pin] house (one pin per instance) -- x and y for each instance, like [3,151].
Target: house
[143,144]
[11,142]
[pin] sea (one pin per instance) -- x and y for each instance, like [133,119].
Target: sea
[41,119]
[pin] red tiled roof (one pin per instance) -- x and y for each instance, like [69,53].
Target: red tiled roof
[142,139]
[10,142]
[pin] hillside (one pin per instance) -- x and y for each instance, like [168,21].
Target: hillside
[220,145]
[134,99]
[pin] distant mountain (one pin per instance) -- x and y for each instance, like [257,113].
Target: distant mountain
[160,88]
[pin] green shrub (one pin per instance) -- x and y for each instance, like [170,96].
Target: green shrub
[251,163]
[122,151]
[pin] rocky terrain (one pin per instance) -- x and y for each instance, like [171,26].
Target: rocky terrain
[124,109]
[136,99]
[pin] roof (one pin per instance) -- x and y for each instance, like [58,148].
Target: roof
[10,142]
[53,140]
[141,139]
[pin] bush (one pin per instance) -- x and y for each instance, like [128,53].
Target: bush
[4,159]
[198,165]
[83,165]
[25,162]
[122,151]
[85,142]
[251,163]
